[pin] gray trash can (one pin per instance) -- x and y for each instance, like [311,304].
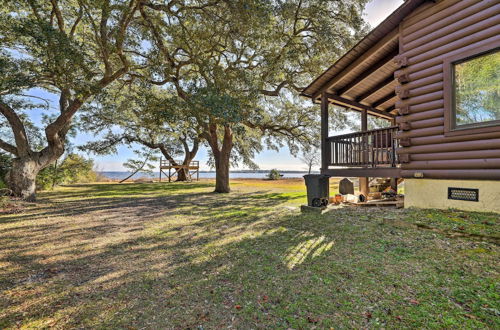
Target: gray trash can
[318,189]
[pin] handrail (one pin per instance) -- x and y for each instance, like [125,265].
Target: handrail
[175,167]
[335,137]
[368,149]
[178,162]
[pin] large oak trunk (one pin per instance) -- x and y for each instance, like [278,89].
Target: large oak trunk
[183,174]
[221,155]
[21,179]
[222,173]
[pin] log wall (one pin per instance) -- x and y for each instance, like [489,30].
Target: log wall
[426,37]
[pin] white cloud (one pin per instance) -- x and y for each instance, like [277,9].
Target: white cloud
[377,10]
[109,166]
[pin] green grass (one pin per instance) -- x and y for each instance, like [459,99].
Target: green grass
[179,256]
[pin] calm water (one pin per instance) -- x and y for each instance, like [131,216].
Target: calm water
[203,175]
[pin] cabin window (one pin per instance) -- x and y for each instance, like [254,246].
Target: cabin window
[475,97]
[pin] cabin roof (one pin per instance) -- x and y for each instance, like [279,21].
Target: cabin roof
[365,74]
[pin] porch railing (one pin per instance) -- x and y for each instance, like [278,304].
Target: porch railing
[367,149]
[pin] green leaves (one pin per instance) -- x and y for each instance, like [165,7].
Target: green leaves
[477,89]
[213,102]
[73,169]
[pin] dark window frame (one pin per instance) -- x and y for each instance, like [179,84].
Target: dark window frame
[450,128]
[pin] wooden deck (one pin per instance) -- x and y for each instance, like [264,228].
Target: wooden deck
[364,154]
[193,169]
[372,172]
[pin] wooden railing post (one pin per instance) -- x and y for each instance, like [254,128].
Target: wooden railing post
[364,185]
[325,148]
[369,148]
[364,128]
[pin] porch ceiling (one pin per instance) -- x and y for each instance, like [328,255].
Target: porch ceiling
[369,80]
[370,83]
[364,76]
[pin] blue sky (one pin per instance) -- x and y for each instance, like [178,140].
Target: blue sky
[375,13]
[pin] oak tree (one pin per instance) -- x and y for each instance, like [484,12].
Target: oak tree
[73,49]
[229,59]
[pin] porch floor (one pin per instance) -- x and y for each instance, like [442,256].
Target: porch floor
[372,172]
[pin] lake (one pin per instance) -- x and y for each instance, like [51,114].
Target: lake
[203,175]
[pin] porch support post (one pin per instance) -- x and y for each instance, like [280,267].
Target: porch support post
[364,120]
[325,150]
[364,188]
[394,184]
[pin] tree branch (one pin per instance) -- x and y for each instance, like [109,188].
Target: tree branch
[77,21]
[59,17]
[8,147]
[18,130]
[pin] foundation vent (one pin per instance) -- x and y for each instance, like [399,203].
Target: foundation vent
[463,194]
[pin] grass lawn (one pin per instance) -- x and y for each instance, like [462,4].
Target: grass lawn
[153,256]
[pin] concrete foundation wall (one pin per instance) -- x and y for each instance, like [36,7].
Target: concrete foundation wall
[429,193]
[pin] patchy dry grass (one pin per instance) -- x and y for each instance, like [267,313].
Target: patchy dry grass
[178,256]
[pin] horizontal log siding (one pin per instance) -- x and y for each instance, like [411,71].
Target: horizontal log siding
[415,117]
[438,139]
[426,123]
[442,36]
[474,154]
[453,12]
[434,32]
[418,21]
[469,174]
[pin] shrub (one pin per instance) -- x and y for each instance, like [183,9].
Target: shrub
[274,174]
[5,164]
[73,169]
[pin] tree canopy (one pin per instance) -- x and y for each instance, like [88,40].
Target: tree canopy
[252,52]
[233,67]
[71,49]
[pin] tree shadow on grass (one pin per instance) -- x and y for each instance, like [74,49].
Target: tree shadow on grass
[123,190]
[235,260]
[76,242]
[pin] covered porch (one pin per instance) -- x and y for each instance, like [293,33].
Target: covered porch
[365,153]
[366,80]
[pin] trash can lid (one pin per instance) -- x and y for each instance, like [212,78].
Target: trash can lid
[317,175]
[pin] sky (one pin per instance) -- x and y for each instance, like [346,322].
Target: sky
[375,12]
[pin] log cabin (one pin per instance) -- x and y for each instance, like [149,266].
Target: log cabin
[432,70]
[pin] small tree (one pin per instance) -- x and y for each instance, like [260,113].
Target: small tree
[140,165]
[73,169]
[310,157]
[274,174]
[144,114]
[5,164]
